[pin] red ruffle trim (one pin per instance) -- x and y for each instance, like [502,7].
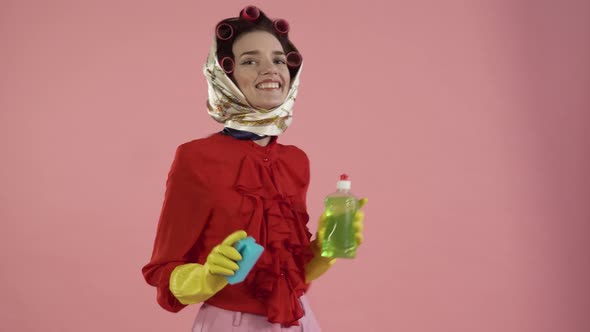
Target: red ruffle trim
[278,222]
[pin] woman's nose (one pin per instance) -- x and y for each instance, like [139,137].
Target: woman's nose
[268,67]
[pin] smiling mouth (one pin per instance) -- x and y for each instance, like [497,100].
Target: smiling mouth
[268,86]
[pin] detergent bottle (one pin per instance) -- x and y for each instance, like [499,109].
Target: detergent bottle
[341,207]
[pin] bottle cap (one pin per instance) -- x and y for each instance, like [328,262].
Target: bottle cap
[344,183]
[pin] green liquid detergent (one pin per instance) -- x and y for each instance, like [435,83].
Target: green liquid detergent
[341,207]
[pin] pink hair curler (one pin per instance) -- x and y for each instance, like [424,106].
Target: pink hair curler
[294,59]
[281,26]
[227,64]
[250,13]
[224,31]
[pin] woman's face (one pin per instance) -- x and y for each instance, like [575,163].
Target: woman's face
[261,70]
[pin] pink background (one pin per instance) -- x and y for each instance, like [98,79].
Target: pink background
[466,123]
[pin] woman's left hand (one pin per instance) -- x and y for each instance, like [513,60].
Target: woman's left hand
[358,224]
[319,265]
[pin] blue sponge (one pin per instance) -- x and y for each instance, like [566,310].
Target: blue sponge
[250,251]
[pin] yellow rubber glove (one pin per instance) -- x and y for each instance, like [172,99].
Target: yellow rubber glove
[319,265]
[193,283]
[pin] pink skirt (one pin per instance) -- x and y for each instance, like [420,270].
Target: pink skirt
[214,319]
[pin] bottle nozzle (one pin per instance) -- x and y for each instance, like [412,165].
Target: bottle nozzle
[344,183]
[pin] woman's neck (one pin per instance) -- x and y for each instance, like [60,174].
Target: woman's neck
[263,141]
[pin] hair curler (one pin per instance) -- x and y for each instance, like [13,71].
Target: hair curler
[250,13]
[227,64]
[224,31]
[294,59]
[281,26]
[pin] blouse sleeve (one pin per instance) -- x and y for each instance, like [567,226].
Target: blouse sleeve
[182,220]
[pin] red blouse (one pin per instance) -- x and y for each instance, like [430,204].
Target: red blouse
[218,185]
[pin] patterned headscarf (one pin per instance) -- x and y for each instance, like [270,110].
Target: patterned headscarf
[228,105]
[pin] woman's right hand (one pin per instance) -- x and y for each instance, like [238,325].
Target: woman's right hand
[222,259]
[194,283]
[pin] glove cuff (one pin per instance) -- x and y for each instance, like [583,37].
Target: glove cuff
[192,283]
[318,264]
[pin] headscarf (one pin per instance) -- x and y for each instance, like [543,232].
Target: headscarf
[228,105]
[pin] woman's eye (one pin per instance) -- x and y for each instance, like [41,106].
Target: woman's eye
[281,61]
[249,62]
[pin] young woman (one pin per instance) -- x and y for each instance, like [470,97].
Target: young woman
[242,182]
